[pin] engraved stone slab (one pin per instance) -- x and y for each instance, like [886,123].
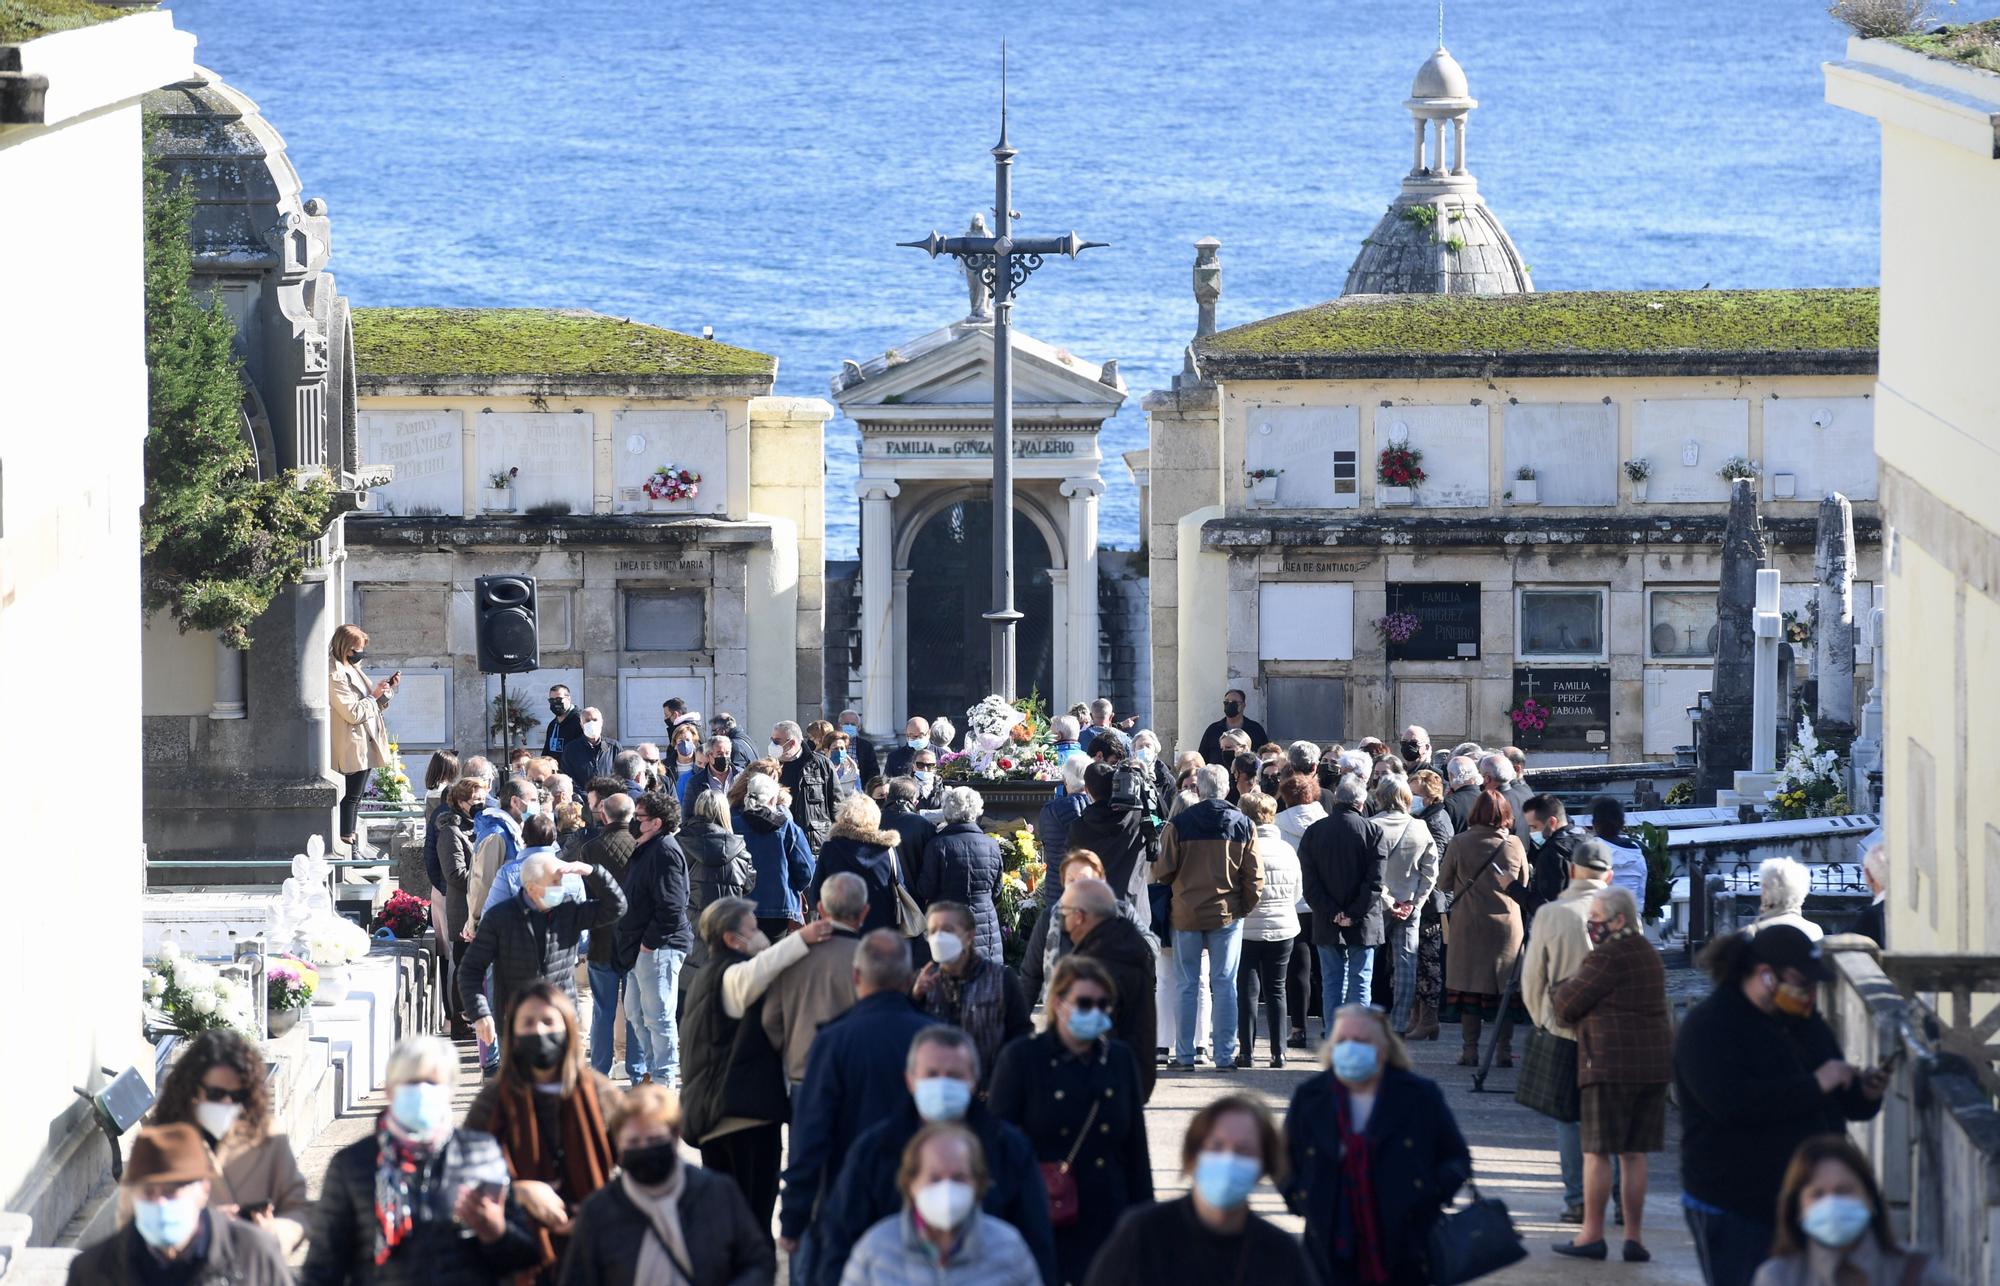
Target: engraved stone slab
[1440,708]
[428,453]
[403,622]
[641,690]
[642,441]
[1572,447]
[420,716]
[1453,440]
[1316,446]
[550,448]
[1686,441]
[1303,621]
[1826,444]
[1670,690]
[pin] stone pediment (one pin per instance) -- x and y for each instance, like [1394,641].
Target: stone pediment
[949,374]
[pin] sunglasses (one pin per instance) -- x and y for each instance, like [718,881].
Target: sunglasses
[216,1094]
[1089,1004]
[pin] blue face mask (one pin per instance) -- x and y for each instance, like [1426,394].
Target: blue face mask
[1537,838]
[168,1224]
[1836,1221]
[924,779]
[942,1098]
[530,810]
[1088,1024]
[569,890]
[838,755]
[1226,1180]
[917,743]
[851,729]
[421,1108]
[1355,1061]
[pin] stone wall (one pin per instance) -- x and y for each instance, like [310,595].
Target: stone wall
[1124,663]
[788,480]
[1185,474]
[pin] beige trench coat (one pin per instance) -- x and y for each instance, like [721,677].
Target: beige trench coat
[1485,924]
[360,737]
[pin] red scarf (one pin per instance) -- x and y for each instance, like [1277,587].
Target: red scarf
[400,1161]
[1360,1230]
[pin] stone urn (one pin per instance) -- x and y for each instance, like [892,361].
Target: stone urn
[333,984]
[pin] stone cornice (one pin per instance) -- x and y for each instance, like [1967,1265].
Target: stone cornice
[1613,531]
[386,531]
[1230,368]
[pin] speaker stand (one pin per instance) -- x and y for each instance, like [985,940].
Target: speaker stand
[506,726]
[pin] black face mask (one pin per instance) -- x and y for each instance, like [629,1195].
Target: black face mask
[652,1165]
[1410,749]
[557,706]
[721,763]
[633,826]
[542,1050]
[1232,708]
[354,658]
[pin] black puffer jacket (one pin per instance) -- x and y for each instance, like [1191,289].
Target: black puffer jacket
[521,946]
[815,794]
[963,864]
[724,1245]
[916,830]
[435,1253]
[719,866]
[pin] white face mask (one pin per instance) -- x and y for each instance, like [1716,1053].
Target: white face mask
[946,948]
[216,1119]
[778,751]
[593,728]
[944,1204]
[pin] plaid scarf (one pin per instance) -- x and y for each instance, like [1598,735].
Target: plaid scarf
[401,1167]
[1359,1236]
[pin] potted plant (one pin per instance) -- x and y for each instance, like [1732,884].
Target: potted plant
[288,992]
[669,485]
[333,944]
[1784,486]
[1263,485]
[1736,467]
[404,915]
[1398,627]
[1398,473]
[1636,473]
[500,491]
[1526,490]
[190,996]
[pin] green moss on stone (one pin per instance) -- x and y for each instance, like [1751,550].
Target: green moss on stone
[23,20]
[1580,322]
[536,342]
[1976,44]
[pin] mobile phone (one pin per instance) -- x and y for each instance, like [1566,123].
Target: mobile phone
[254,1210]
[1888,1064]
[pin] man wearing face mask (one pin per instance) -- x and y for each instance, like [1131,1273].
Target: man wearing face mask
[564,726]
[930,786]
[865,759]
[496,841]
[1414,747]
[713,770]
[941,1074]
[590,753]
[1551,840]
[916,736]
[1756,1073]
[939,1231]
[173,1237]
[536,936]
[656,932]
[1233,719]
[809,776]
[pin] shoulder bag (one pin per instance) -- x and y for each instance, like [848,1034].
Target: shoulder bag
[1471,1242]
[1547,1082]
[1056,1177]
[909,916]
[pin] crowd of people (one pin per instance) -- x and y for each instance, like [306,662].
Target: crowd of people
[807,958]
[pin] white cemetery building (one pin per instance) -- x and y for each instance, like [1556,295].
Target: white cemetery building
[925,412]
[1562,546]
[707,588]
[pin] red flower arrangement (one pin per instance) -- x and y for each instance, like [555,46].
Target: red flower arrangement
[671,482]
[1533,716]
[404,915]
[1399,467]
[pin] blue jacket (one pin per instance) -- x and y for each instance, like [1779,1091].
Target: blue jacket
[581,761]
[1420,1160]
[492,819]
[507,880]
[865,1193]
[783,860]
[1052,834]
[854,1078]
[963,864]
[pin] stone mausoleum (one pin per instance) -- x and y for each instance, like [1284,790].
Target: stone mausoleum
[714,596]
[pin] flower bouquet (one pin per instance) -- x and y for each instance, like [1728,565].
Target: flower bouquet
[1811,782]
[191,996]
[404,915]
[1400,466]
[1005,741]
[670,483]
[1399,627]
[1531,716]
[1022,869]
[390,784]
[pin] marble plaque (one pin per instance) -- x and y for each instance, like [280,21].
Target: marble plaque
[1305,707]
[1827,444]
[1571,446]
[1315,446]
[1670,690]
[642,441]
[420,716]
[1453,440]
[1438,707]
[1577,705]
[1450,622]
[530,692]
[427,451]
[403,621]
[641,691]
[1686,441]
[1303,621]
[550,448]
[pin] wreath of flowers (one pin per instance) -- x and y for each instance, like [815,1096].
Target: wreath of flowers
[1400,466]
[671,482]
[1532,716]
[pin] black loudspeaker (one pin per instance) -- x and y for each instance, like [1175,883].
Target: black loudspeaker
[504,607]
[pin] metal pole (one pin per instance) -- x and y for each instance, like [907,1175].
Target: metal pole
[1003,614]
[506,728]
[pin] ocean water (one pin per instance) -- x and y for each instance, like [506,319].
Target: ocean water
[750,166]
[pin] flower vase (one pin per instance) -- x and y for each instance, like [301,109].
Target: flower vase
[499,500]
[1639,491]
[1527,491]
[333,983]
[1784,486]
[1264,492]
[280,1021]
[1386,495]
[659,505]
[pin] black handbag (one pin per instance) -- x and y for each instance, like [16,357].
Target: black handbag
[1548,1077]
[1473,1241]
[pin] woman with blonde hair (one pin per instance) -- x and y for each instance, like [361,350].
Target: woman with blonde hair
[360,738]
[1368,1204]
[860,844]
[547,1109]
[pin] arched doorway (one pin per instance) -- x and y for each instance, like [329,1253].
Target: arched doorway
[951,589]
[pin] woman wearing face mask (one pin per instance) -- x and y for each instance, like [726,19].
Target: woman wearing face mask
[360,738]
[547,1109]
[779,852]
[1075,1092]
[838,747]
[662,1220]
[1756,1073]
[860,844]
[1834,1229]
[966,990]
[719,862]
[1376,1154]
[219,1086]
[941,1237]
[962,863]
[1209,1237]
[455,846]
[684,760]
[418,1202]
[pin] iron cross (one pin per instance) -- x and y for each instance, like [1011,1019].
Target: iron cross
[1005,262]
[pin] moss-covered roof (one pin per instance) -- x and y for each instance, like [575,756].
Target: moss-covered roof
[552,345]
[23,20]
[1676,329]
[1975,44]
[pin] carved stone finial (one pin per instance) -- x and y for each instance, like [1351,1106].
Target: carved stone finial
[1207,284]
[975,283]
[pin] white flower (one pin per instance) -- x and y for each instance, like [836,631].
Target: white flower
[202,1002]
[156,986]
[169,950]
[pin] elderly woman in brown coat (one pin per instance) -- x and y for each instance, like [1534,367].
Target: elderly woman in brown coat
[1625,1056]
[1483,930]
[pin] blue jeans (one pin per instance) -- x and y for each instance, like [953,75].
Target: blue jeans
[652,1005]
[1569,1151]
[604,1010]
[1729,1246]
[1225,949]
[1345,972]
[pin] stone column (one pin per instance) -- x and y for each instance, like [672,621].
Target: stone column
[1082,561]
[1833,633]
[229,703]
[1867,755]
[1418,166]
[880,624]
[1060,696]
[899,634]
[1458,144]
